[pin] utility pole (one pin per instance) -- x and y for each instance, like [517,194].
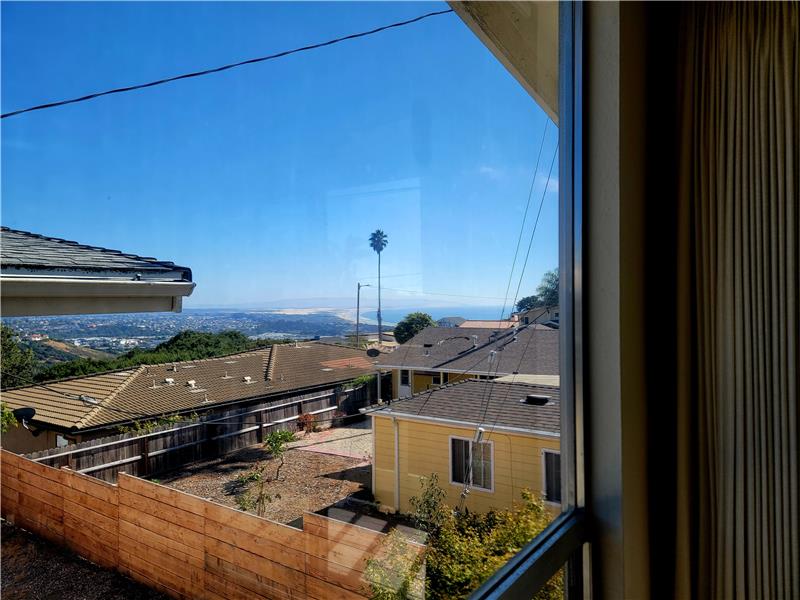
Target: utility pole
[358,311]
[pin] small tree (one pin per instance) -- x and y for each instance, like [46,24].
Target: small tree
[546,293]
[7,420]
[16,361]
[256,497]
[411,325]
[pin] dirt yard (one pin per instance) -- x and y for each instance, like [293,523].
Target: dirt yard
[34,569]
[319,470]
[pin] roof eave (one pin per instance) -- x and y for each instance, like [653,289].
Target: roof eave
[33,296]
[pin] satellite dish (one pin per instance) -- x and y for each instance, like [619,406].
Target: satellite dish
[24,414]
[373,352]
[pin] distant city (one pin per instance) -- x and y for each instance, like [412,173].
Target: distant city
[119,333]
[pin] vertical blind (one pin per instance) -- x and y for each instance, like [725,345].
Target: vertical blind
[738,313]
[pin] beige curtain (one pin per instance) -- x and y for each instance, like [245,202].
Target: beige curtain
[738,312]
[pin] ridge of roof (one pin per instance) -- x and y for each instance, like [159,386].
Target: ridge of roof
[270,371]
[165,264]
[107,400]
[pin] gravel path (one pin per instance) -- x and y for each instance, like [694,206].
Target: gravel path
[354,441]
[34,569]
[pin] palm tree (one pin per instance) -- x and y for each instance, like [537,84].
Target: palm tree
[378,241]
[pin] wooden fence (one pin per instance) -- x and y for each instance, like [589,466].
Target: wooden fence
[173,446]
[185,546]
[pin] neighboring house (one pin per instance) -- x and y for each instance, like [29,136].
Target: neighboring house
[84,408]
[546,315]
[490,323]
[450,321]
[43,275]
[440,355]
[436,432]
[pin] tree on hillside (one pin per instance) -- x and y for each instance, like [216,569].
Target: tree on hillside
[378,241]
[411,325]
[546,293]
[16,362]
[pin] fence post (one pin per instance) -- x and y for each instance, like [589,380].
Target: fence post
[260,421]
[144,451]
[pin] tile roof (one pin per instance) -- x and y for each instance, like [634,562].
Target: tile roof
[484,403]
[487,324]
[530,349]
[146,391]
[25,253]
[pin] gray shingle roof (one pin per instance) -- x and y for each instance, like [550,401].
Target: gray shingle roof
[25,253]
[530,349]
[502,402]
[145,391]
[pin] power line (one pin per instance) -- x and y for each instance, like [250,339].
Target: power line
[525,217]
[535,225]
[204,72]
[442,294]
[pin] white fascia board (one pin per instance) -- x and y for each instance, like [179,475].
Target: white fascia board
[26,296]
[69,287]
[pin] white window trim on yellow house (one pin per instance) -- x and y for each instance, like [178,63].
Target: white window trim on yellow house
[471,441]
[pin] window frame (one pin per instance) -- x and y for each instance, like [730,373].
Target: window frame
[564,543]
[545,452]
[470,441]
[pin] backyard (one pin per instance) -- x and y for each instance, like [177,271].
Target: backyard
[320,469]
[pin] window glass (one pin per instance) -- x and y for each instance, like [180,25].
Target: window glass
[552,465]
[388,199]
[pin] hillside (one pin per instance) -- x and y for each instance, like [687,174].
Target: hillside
[54,351]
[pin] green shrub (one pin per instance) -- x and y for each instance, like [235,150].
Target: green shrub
[8,419]
[464,548]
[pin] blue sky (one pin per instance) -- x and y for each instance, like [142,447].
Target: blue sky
[267,180]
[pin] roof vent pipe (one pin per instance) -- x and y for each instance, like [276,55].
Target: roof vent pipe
[474,341]
[191,383]
[169,381]
[247,379]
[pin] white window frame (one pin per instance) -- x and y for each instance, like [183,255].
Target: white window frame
[545,452]
[450,462]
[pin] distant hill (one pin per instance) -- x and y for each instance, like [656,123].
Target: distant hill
[49,352]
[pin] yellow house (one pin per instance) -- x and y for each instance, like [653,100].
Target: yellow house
[441,355]
[486,441]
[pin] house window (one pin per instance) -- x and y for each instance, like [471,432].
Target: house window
[445,377]
[471,463]
[552,476]
[437,379]
[404,377]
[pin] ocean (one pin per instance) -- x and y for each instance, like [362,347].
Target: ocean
[394,315]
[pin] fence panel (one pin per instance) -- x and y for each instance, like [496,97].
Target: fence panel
[185,546]
[171,447]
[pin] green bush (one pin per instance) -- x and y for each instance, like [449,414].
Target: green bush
[411,325]
[8,419]
[464,548]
